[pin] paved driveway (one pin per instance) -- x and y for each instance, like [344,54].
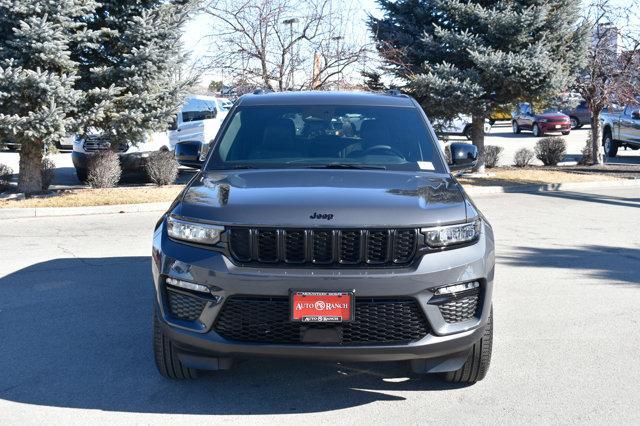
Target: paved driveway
[76,304]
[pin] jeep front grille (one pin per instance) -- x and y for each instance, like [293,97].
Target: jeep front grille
[333,247]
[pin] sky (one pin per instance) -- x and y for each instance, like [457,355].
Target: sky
[196,42]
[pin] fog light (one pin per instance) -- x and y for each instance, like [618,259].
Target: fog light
[456,288]
[187,285]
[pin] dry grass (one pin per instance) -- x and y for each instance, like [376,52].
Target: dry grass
[510,176]
[99,197]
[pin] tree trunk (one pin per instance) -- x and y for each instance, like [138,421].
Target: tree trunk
[596,138]
[477,136]
[30,177]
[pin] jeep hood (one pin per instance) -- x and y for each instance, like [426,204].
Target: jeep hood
[324,198]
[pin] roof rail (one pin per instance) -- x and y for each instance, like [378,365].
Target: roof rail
[394,92]
[261,91]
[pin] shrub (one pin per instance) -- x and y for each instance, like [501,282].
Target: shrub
[162,168]
[492,155]
[104,170]
[48,173]
[523,157]
[551,150]
[5,176]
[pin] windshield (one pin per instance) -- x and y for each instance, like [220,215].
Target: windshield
[326,136]
[225,104]
[198,109]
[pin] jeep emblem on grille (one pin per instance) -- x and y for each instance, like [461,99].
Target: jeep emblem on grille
[317,215]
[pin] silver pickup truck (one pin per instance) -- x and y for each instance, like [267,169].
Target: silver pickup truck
[621,130]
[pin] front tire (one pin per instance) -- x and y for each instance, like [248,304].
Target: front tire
[515,127]
[166,357]
[536,131]
[477,364]
[565,133]
[575,123]
[609,145]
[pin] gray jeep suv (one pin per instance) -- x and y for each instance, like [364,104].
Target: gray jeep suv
[325,226]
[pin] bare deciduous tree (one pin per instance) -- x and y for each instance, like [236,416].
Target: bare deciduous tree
[611,72]
[283,44]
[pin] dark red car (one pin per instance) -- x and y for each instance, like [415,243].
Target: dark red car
[524,118]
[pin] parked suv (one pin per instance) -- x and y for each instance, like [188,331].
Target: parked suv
[524,118]
[133,158]
[304,238]
[578,115]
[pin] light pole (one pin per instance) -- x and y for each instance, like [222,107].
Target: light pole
[290,22]
[337,40]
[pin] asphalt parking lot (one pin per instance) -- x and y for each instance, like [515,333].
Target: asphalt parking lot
[502,135]
[75,331]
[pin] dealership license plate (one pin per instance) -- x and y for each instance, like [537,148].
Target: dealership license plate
[322,306]
[558,126]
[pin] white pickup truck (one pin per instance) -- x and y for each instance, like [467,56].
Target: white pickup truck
[196,126]
[459,126]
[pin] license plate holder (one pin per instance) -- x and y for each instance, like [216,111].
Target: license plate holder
[322,306]
[558,126]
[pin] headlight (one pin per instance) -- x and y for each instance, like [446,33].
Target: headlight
[443,236]
[195,232]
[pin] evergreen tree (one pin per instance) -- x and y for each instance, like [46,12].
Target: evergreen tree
[373,81]
[137,59]
[215,86]
[471,56]
[37,77]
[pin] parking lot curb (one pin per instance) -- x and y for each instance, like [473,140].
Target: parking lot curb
[552,187]
[30,212]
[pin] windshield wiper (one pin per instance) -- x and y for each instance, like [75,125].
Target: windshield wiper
[232,167]
[345,166]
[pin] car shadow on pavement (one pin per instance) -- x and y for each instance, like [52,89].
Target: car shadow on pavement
[77,333]
[591,198]
[620,264]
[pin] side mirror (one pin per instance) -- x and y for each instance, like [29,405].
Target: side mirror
[463,156]
[174,123]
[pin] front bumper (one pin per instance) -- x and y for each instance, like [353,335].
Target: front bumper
[213,269]
[130,162]
[555,127]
